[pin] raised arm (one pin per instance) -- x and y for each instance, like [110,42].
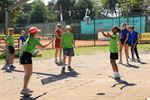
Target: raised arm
[110,35]
[100,30]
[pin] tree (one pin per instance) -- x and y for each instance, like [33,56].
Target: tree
[80,9]
[38,12]
[4,4]
[64,6]
[22,18]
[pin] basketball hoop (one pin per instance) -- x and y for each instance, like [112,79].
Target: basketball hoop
[87,19]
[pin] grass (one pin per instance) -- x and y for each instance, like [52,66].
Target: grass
[143,48]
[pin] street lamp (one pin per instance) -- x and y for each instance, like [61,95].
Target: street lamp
[69,13]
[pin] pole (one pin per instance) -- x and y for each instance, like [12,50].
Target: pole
[127,11]
[94,34]
[6,30]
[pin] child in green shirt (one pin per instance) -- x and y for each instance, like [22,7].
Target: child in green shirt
[68,45]
[26,57]
[10,45]
[113,48]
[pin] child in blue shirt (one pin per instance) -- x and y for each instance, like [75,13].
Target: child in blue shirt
[135,38]
[123,42]
[22,39]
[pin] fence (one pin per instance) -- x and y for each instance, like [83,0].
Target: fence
[87,33]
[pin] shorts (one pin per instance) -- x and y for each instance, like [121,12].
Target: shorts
[68,51]
[130,44]
[122,41]
[114,56]
[26,58]
[11,49]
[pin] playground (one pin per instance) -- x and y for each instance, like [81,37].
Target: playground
[74,50]
[90,81]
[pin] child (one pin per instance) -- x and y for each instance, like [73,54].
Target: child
[10,45]
[26,57]
[123,42]
[67,44]
[58,47]
[113,48]
[22,39]
[135,38]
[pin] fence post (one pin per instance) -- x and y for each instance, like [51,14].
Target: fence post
[94,33]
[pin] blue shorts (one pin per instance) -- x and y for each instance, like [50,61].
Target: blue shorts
[68,51]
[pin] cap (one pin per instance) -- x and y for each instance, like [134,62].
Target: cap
[11,29]
[59,24]
[67,27]
[33,30]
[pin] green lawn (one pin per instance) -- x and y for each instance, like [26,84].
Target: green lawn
[143,48]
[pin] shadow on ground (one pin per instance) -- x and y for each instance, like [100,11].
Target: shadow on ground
[124,83]
[132,66]
[59,77]
[53,77]
[32,98]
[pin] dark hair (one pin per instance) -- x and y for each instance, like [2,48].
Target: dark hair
[132,27]
[118,29]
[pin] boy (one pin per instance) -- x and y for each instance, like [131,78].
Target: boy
[135,38]
[10,45]
[22,39]
[67,45]
[113,48]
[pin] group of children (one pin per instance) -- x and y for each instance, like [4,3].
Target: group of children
[64,41]
[126,37]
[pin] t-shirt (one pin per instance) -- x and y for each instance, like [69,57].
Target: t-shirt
[113,47]
[134,36]
[22,38]
[124,33]
[67,40]
[30,44]
[10,40]
[130,40]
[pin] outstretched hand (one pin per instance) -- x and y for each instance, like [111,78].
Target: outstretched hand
[100,30]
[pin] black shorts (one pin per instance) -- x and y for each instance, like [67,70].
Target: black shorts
[68,51]
[11,49]
[130,44]
[26,58]
[123,41]
[114,56]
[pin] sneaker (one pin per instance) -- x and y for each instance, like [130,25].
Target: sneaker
[8,69]
[12,67]
[139,60]
[31,91]
[133,60]
[120,62]
[56,62]
[69,68]
[25,92]
[127,64]
[63,70]
[61,63]
[117,75]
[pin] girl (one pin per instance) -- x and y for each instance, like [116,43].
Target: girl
[113,48]
[58,47]
[26,57]
[123,42]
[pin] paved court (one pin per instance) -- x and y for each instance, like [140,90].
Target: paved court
[91,80]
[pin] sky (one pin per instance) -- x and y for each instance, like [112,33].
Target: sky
[45,1]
